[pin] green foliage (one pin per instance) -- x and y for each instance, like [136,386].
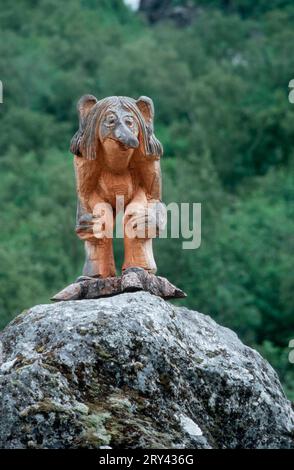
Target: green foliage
[38,250]
[220,90]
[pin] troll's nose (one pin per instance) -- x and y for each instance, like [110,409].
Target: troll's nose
[126,137]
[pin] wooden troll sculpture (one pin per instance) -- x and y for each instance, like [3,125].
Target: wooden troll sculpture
[117,159]
[116,154]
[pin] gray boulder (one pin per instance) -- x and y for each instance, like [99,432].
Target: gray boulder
[160,10]
[134,371]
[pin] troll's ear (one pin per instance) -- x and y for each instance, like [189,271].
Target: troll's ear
[84,106]
[153,147]
[146,107]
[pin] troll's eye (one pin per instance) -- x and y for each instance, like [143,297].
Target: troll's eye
[110,120]
[129,121]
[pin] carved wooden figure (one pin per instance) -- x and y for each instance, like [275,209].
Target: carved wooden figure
[117,158]
[117,154]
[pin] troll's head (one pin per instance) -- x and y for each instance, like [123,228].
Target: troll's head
[118,126]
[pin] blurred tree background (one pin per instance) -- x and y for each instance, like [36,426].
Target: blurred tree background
[218,72]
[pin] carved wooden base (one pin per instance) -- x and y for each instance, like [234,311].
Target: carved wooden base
[132,279]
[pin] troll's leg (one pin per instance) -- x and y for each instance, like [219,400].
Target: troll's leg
[99,258]
[96,231]
[139,253]
[138,247]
